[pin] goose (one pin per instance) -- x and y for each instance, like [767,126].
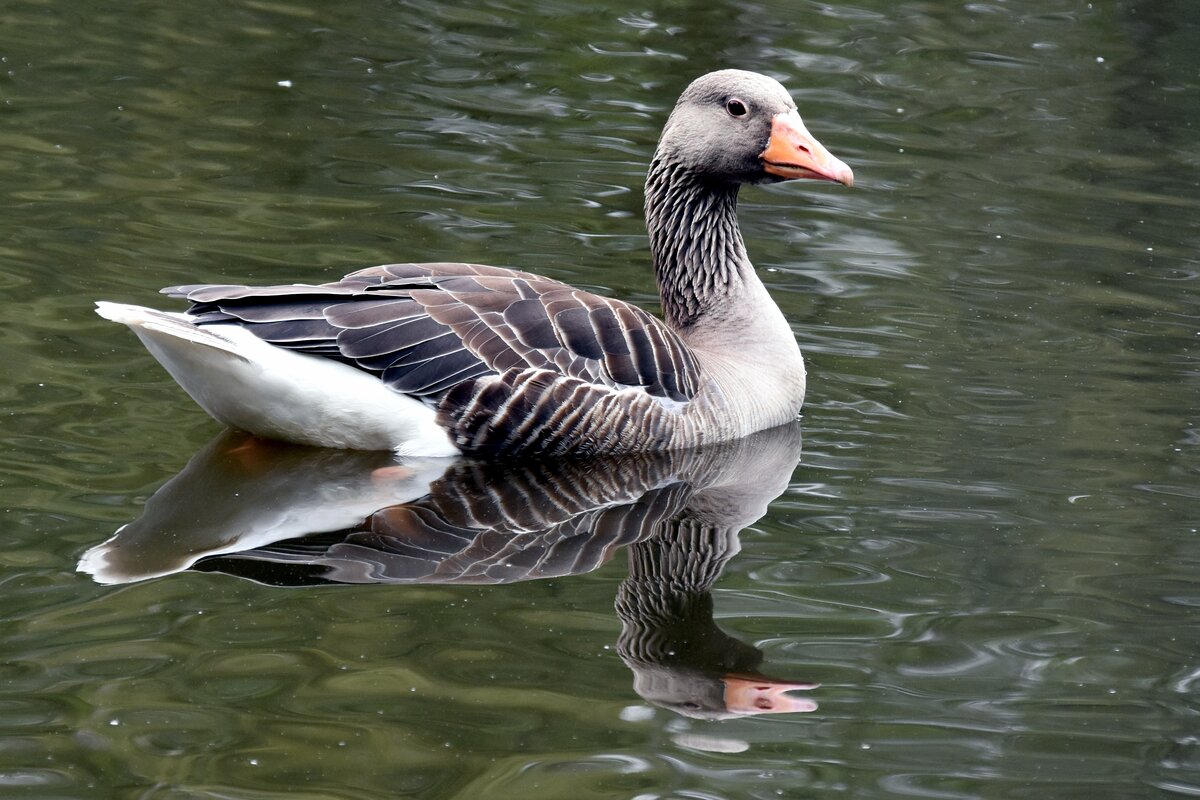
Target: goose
[448,359]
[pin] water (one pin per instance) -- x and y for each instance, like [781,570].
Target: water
[986,556]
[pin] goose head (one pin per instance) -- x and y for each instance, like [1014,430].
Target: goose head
[734,126]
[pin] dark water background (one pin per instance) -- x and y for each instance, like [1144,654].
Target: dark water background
[988,555]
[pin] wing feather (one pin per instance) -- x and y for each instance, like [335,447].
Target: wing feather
[426,328]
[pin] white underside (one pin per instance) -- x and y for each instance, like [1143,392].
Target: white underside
[254,386]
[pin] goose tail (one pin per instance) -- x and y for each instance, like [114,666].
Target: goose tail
[255,386]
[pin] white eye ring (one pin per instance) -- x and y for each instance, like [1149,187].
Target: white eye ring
[736,107]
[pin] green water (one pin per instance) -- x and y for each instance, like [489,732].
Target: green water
[987,554]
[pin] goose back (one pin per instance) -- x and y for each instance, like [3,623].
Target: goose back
[514,363]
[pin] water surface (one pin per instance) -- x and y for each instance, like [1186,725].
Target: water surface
[987,554]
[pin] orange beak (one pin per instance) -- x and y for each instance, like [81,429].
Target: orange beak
[792,152]
[746,695]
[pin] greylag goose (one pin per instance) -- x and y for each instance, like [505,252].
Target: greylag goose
[444,359]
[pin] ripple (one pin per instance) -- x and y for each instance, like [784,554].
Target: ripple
[986,557]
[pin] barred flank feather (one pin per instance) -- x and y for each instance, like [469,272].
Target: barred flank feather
[514,363]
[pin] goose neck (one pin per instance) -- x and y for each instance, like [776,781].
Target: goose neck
[699,257]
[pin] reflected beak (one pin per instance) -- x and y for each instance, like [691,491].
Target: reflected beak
[792,152]
[746,695]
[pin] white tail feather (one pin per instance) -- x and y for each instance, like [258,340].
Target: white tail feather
[179,326]
[255,386]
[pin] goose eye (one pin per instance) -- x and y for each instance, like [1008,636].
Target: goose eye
[735,107]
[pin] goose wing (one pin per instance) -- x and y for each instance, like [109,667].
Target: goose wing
[427,328]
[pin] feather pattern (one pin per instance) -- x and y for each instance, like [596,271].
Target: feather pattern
[513,362]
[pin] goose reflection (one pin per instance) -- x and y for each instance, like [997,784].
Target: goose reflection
[288,515]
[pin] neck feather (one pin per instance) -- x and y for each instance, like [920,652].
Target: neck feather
[697,249]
